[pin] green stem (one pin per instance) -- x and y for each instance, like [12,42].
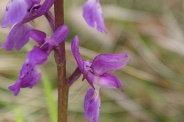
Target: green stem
[60,59]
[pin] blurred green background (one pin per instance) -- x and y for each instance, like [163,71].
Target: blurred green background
[150,31]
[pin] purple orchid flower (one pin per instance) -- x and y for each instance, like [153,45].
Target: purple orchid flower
[96,73]
[30,74]
[92,13]
[21,30]
[22,11]
[16,10]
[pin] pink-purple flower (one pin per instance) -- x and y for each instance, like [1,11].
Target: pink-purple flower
[16,10]
[98,76]
[92,13]
[30,74]
[18,13]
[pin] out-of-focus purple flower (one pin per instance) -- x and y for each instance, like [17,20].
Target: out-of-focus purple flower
[92,105]
[92,13]
[30,75]
[18,13]
[22,11]
[16,10]
[19,36]
[98,76]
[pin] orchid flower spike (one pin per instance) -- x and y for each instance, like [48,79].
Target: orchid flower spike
[92,14]
[98,76]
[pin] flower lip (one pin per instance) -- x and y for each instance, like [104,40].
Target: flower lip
[30,74]
[92,105]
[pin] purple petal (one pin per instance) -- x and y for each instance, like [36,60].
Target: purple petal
[38,36]
[110,81]
[41,10]
[92,13]
[107,62]
[18,37]
[15,88]
[75,51]
[29,4]
[60,34]
[82,66]
[35,12]
[35,1]
[37,56]
[15,12]
[92,105]
[58,37]
[29,76]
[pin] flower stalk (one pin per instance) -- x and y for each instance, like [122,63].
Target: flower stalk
[60,58]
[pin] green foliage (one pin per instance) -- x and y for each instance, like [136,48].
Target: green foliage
[18,115]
